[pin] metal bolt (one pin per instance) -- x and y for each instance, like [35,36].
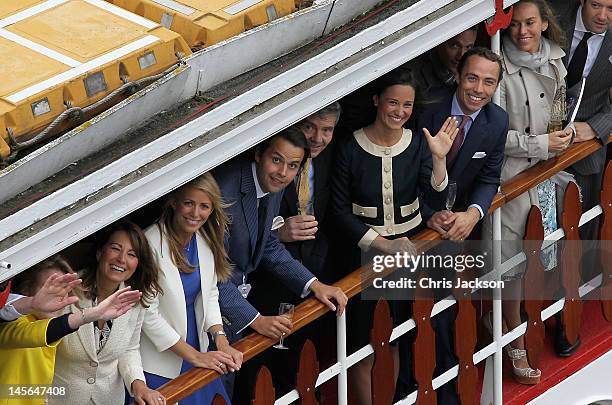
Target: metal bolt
[423,318]
[426,392]
[308,389]
[535,323]
[467,366]
[382,344]
[533,252]
[572,228]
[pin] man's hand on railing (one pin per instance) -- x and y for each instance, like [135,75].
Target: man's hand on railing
[584,132]
[325,293]
[272,326]
[462,224]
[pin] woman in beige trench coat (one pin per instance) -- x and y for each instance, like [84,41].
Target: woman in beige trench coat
[533,87]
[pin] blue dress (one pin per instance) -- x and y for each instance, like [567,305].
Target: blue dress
[191,289]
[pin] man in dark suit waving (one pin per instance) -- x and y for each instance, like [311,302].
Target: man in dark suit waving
[589,55]
[474,163]
[476,156]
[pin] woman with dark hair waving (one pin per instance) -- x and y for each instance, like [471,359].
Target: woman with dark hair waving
[188,245]
[380,173]
[96,362]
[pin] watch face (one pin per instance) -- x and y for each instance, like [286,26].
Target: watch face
[5,289]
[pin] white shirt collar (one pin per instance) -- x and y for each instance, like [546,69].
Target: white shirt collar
[580,24]
[258,189]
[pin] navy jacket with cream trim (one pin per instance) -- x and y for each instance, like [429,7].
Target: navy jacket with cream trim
[375,189]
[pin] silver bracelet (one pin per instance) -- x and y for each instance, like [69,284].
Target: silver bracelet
[83,316]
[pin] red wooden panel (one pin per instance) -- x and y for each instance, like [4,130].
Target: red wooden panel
[307,374]
[534,286]
[570,264]
[218,400]
[264,389]
[605,236]
[424,347]
[383,381]
[465,342]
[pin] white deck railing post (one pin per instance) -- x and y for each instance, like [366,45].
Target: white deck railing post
[341,353]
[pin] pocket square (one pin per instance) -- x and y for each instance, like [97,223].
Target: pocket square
[277,222]
[479,155]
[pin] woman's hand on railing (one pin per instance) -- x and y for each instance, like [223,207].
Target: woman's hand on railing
[219,361]
[224,346]
[558,141]
[393,246]
[272,326]
[144,395]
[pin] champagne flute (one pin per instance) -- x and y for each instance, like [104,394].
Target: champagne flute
[308,209]
[285,310]
[452,194]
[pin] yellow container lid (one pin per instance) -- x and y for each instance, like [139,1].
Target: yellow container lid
[72,53]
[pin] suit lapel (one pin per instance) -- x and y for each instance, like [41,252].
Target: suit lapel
[473,140]
[249,203]
[602,61]
[86,334]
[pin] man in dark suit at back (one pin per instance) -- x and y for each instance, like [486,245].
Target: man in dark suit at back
[474,163]
[588,26]
[304,204]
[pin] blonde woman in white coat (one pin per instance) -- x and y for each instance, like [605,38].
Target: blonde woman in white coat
[534,79]
[188,245]
[97,362]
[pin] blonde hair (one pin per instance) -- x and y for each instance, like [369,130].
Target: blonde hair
[213,231]
[27,282]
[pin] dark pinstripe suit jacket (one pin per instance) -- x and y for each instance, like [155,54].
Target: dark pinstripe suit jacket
[595,108]
[238,189]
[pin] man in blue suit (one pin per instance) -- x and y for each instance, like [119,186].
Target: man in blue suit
[253,188]
[474,163]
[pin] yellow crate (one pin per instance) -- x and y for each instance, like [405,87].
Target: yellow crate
[205,22]
[72,53]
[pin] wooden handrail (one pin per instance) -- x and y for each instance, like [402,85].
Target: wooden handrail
[311,309]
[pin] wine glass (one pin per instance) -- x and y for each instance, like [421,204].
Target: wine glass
[285,310]
[452,194]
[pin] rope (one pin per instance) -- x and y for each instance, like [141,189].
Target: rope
[77,113]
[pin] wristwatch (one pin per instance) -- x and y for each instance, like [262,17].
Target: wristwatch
[218,333]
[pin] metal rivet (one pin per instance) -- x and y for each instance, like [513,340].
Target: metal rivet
[382,343]
[308,389]
[535,323]
[426,392]
[533,252]
[423,318]
[467,366]
[572,228]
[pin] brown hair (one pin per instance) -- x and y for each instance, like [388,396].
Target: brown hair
[144,279]
[554,32]
[213,231]
[26,282]
[483,53]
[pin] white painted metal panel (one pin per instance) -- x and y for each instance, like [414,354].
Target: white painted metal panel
[589,385]
[93,135]
[307,98]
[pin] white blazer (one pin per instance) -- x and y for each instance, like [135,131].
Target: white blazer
[166,319]
[99,378]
